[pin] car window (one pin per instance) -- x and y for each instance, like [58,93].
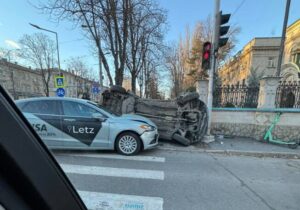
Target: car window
[105,109]
[20,105]
[41,107]
[77,109]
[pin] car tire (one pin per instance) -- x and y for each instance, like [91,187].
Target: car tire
[118,89]
[180,139]
[128,143]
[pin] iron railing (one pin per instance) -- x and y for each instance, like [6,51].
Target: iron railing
[288,94]
[241,96]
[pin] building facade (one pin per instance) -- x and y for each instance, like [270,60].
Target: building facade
[290,70]
[259,58]
[126,83]
[22,82]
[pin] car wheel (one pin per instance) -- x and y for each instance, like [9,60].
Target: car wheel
[180,139]
[128,143]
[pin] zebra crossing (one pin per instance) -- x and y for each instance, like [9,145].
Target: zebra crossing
[112,201]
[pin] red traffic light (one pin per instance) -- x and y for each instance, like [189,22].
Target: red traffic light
[206,55]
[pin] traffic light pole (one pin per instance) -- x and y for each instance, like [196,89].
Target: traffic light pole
[281,51]
[213,66]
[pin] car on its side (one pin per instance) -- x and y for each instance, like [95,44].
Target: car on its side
[69,123]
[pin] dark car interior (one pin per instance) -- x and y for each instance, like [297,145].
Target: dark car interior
[30,177]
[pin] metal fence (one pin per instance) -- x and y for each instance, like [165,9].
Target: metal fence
[236,96]
[288,95]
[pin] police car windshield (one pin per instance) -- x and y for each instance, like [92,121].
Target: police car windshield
[105,109]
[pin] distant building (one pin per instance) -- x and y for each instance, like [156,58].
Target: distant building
[23,82]
[126,83]
[260,57]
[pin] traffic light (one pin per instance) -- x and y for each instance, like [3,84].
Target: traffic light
[206,54]
[223,29]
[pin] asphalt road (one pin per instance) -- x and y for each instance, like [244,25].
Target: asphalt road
[178,180]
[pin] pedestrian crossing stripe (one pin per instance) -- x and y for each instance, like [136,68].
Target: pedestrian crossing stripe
[121,157]
[98,200]
[113,172]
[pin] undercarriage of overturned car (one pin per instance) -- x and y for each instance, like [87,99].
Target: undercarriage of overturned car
[183,120]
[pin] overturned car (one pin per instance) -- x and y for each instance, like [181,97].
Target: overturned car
[183,120]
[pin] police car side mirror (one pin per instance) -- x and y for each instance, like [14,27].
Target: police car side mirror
[99,117]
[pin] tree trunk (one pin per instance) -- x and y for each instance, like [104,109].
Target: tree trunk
[105,64]
[141,91]
[133,83]
[47,90]
[119,77]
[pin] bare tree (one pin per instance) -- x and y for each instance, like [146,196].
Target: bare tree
[145,36]
[151,64]
[80,70]
[175,66]
[105,20]
[39,50]
[153,86]
[78,67]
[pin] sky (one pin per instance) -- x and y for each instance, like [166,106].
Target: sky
[257,18]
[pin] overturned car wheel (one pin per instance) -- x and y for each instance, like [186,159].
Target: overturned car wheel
[180,139]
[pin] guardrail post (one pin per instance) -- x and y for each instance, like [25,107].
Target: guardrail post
[202,89]
[267,92]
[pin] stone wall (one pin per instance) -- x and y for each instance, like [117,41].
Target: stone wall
[255,122]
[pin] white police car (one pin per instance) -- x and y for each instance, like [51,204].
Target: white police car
[68,123]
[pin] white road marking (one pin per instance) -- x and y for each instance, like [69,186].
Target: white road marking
[123,157]
[107,201]
[113,172]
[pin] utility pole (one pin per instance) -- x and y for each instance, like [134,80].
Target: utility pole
[281,50]
[213,66]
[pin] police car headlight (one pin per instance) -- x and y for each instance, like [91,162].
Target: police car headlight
[147,127]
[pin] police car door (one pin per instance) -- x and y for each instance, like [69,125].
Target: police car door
[83,126]
[45,118]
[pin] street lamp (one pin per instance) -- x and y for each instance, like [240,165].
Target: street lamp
[99,56]
[43,29]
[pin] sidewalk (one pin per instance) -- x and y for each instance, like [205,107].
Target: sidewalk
[237,146]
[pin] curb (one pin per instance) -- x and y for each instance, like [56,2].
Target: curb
[283,155]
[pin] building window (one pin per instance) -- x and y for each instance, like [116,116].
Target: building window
[271,62]
[296,58]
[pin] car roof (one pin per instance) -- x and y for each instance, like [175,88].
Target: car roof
[53,98]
